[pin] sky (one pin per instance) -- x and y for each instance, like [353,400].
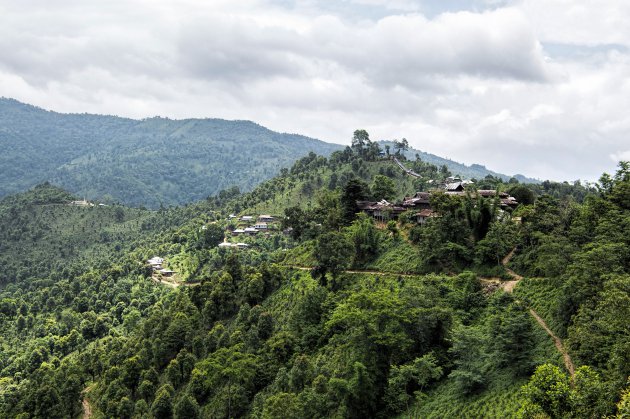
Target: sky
[536,87]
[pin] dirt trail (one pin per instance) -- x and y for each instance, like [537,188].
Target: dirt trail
[510,272]
[381,273]
[508,286]
[568,362]
[87,408]
[173,284]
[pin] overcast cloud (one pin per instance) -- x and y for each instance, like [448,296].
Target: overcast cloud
[534,87]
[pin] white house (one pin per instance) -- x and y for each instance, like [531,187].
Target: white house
[260,226]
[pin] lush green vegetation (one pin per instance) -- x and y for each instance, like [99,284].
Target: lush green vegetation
[150,163]
[339,316]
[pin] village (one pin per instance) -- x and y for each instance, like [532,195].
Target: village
[242,231]
[420,203]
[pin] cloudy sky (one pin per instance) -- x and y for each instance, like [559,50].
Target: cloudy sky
[539,87]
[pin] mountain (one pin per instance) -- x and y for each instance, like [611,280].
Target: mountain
[474,171]
[150,162]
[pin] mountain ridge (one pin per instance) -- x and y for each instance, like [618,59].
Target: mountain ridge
[156,161]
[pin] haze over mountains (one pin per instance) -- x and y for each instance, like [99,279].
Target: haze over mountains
[151,162]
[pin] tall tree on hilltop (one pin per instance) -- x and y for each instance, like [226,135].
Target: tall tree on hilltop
[360,139]
[355,190]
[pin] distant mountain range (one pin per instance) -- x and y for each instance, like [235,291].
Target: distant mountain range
[154,161]
[148,162]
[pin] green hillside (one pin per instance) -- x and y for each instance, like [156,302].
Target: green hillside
[342,316]
[148,162]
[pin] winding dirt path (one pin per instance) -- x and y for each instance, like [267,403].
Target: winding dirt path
[568,362]
[380,273]
[508,286]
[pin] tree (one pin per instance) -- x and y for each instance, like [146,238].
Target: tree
[360,139]
[186,408]
[468,349]
[333,252]
[523,194]
[408,378]
[383,188]
[162,407]
[500,238]
[296,219]
[354,190]
[283,405]
[366,239]
[210,236]
[548,393]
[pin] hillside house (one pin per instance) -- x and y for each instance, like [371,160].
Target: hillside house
[421,200]
[156,263]
[247,218]
[250,231]
[424,215]
[261,226]
[266,219]
[454,187]
[381,210]
[167,273]
[238,231]
[505,200]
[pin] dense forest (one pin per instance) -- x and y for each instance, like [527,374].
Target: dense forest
[329,313]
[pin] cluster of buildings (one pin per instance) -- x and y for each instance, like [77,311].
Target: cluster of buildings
[260,225]
[255,225]
[156,263]
[384,210]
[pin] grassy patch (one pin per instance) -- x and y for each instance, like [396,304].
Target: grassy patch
[400,257]
[499,400]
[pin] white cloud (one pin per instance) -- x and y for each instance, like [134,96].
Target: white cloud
[479,87]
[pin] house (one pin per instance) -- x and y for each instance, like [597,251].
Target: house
[167,273]
[156,262]
[266,218]
[381,210]
[238,231]
[242,245]
[84,203]
[421,200]
[250,231]
[424,215]
[260,226]
[247,218]
[455,187]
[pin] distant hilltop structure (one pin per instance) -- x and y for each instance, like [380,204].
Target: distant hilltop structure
[83,203]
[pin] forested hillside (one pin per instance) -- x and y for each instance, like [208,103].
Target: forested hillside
[148,162]
[327,312]
[157,161]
